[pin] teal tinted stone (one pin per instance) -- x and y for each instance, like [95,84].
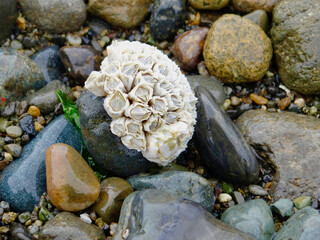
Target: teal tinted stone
[24,181]
[187,185]
[283,207]
[253,217]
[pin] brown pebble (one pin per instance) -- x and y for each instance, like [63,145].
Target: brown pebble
[21,23]
[41,120]
[34,111]
[258,99]
[284,103]
[38,126]
[247,100]
[21,108]
[197,19]
[4,164]
[188,48]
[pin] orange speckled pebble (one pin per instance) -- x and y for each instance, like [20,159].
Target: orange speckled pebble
[34,111]
[71,183]
[258,99]
[284,103]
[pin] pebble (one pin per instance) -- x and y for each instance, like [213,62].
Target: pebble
[86,218]
[9,109]
[5,206]
[4,230]
[34,111]
[14,149]
[244,57]
[57,16]
[70,194]
[224,198]
[284,103]
[14,131]
[15,44]
[258,190]
[187,48]
[113,192]
[21,23]
[167,17]
[9,217]
[258,99]
[283,207]
[238,197]
[7,157]
[68,226]
[33,229]
[299,102]
[24,217]
[210,4]
[74,40]
[21,108]
[202,69]
[235,101]
[302,202]
[38,126]
[26,124]
[251,5]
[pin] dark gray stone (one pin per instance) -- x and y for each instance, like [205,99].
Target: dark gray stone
[166,18]
[253,217]
[68,226]
[8,15]
[211,84]
[106,148]
[18,74]
[186,185]
[220,144]
[296,35]
[46,98]
[48,60]
[56,16]
[288,142]
[304,225]
[27,125]
[24,181]
[158,215]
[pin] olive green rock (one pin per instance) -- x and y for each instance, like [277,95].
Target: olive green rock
[251,5]
[122,13]
[302,202]
[112,194]
[237,50]
[18,74]
[295,36]
[259,17]
[46,98]
[68,226]
[208,4]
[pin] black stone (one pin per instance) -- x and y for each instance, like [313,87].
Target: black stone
[29,42]
[105,147]
[166,18]
[27,125]
[220,144]
[48,60]
[8,15]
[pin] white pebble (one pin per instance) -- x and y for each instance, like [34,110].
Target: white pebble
[86,218]
[300,102]
[224,198]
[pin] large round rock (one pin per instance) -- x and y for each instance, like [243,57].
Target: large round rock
[105,147]
[8,15]
[237,50]
[122,13]
[296,36]
[56,16]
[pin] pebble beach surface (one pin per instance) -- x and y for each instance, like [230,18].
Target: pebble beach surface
[251,169]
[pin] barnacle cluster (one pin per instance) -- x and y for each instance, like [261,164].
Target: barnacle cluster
[148,98]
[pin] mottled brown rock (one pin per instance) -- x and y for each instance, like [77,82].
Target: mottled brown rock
[296,36]
[290,143]
[208,4]
[121,13]
[237,50]
[68,226]
[188,48]
[71,183]
[80,61]
[284,103]
[113,192]
[251,5]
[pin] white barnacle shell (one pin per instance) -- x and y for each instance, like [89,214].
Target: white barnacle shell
[152,106]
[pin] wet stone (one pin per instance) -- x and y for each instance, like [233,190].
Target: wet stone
[287,140]
[304,225]
[14,149]
[48,60]
[70,194]
[55,16]
[167,17]
[27,125]
[283,207]
[68,226]
[46,98]
[106,148]
[186,185]
[302,202]
[113,192]
[23,182]
[253,217]
[79,61]
[214,133]
[257,190]
[188,47]
[124,14]
[154,214]
[14,131]
[244,57]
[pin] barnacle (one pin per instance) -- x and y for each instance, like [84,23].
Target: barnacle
[148,98]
